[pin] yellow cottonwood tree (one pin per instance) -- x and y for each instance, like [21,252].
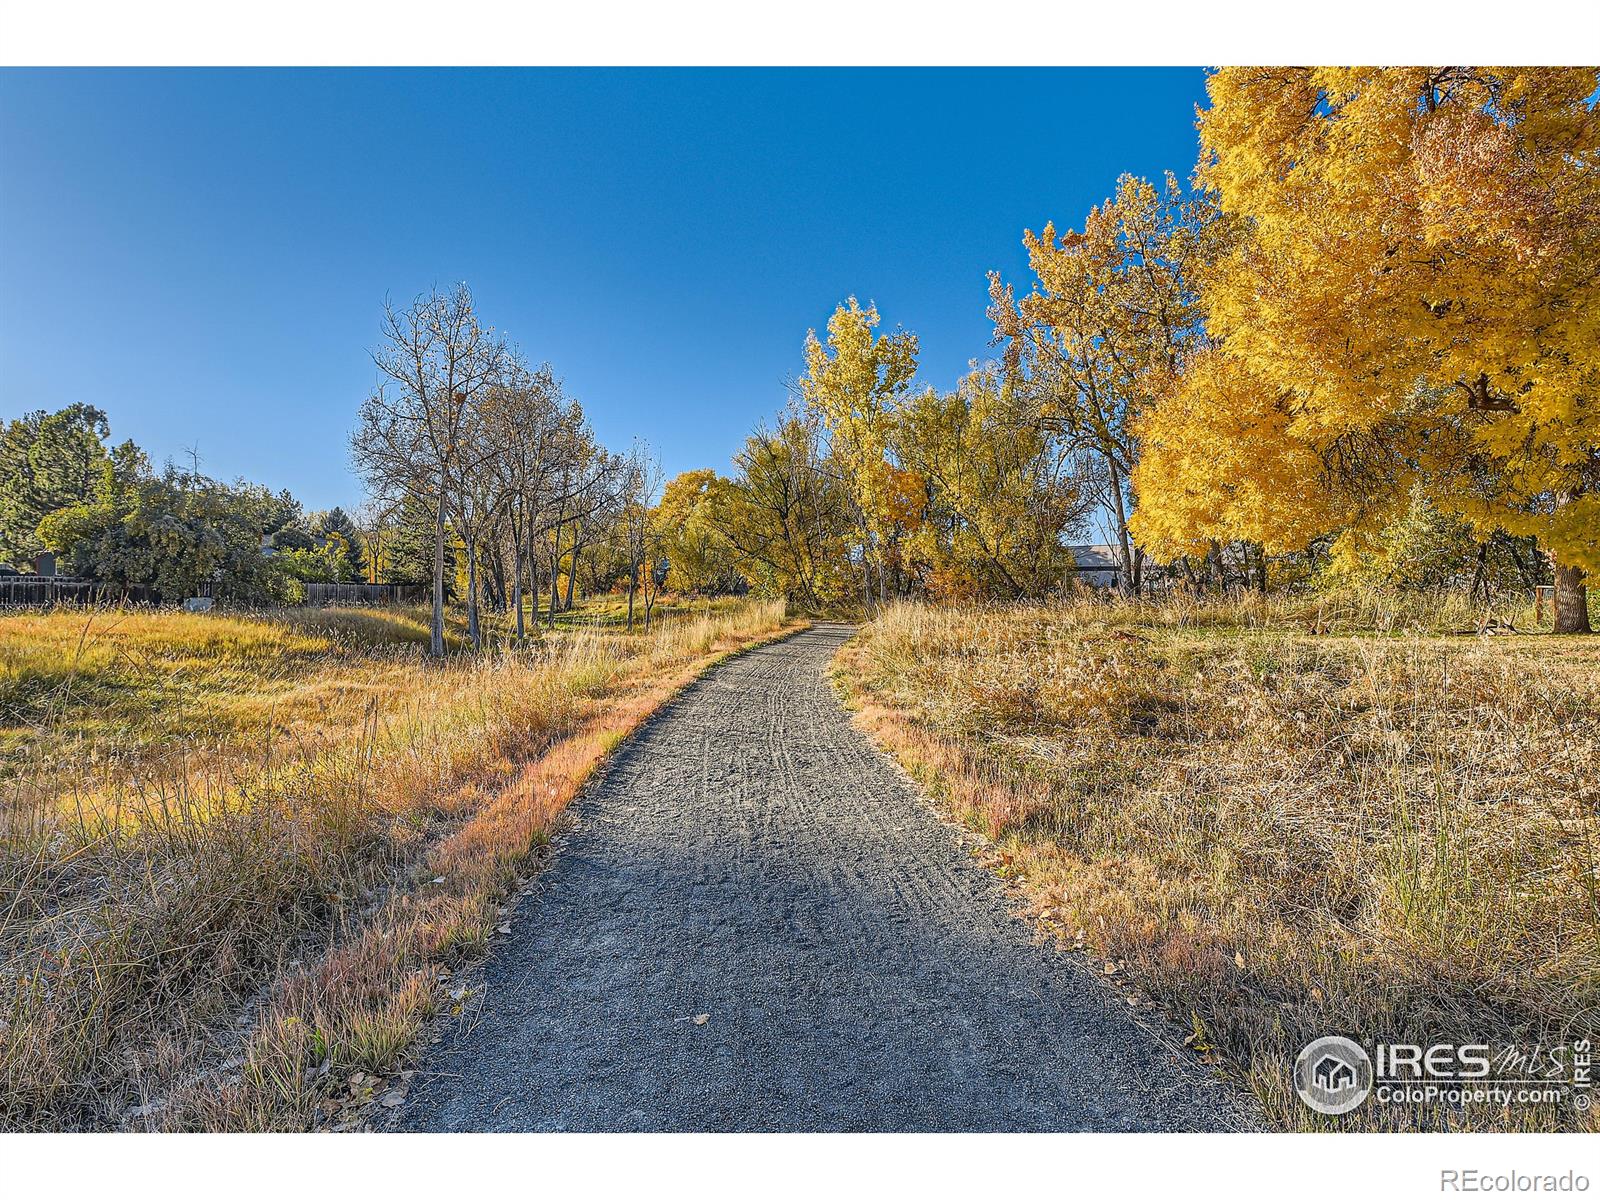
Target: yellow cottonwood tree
[701,558]
[996,492]
[1409,298]
[1103,330]
[856,383]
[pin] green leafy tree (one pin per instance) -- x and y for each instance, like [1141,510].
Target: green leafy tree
[409,547]
[996,492]
[174,533]
[48,461]
[788,515]
[700,557]
[340,537]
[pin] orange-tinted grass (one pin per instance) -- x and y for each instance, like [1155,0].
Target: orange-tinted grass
[360,1006]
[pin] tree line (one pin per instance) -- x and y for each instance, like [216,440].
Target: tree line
[504,466]
[107,513]
[1363,346]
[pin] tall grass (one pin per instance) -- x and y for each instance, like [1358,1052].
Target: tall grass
[1273,833]
[236,851]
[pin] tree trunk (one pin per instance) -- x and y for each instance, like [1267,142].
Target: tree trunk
[436,640]
[572,573]
[533,567]
[1125,580]
[516,593]
[633,583]
[474,635]
[555,575]
[1480,575]
[1530,578]
[1572,600]
[516,577]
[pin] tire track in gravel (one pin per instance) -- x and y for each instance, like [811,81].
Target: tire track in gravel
[748,855]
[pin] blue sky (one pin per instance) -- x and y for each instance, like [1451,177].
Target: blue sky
[203,253]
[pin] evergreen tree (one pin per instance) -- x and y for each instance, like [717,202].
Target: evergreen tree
[409,558]
[333,526]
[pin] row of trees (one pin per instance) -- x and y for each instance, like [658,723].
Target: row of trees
[505,467]
[867,488]
[107,513]
[1365,346]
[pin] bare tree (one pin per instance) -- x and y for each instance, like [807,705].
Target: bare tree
[640,532]
[372,522]
[526,418]
[419,430]
[586,482]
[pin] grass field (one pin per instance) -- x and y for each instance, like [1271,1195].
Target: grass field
[1270,832]
[240,854]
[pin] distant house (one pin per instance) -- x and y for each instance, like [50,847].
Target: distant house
[1097,566]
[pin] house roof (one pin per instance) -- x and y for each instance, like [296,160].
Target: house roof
[1097,558]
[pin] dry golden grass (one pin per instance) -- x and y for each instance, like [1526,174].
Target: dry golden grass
[1273,834]
[236,852]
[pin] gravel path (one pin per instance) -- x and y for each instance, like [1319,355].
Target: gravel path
[749,856]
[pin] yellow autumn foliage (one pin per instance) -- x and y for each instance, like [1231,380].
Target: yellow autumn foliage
[1407,296]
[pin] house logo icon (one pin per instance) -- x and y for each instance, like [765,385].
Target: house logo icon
[1333,1075]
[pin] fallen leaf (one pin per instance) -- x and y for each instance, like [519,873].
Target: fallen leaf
[393,1100]
[1110,968]
[702,1018]
[1316,994]
[503,928]
[1238,959]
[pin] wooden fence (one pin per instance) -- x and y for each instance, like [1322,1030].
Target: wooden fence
[63,589]
[321,595]
[45,590]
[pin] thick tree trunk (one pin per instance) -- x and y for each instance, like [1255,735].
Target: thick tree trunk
[1480,575]
[1214,563]
[1126,583]
[1572,600]
[436,640]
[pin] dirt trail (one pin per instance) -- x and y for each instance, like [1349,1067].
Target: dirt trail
[749,856]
